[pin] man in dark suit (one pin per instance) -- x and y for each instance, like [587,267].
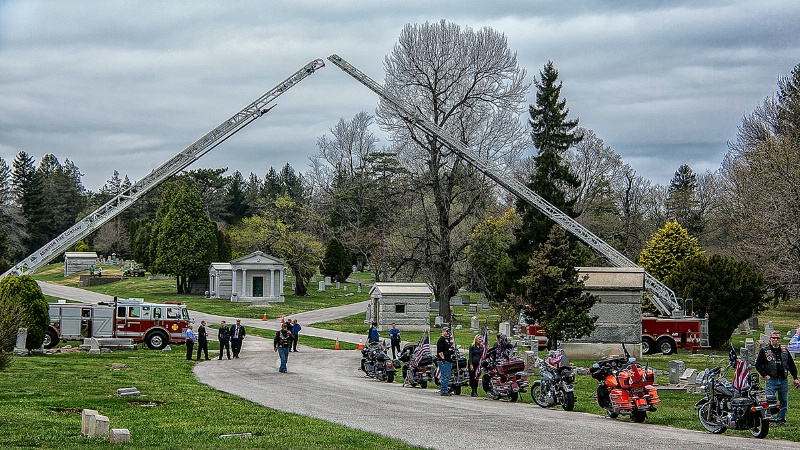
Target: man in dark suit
[237,334]
[224,339]
[202,339]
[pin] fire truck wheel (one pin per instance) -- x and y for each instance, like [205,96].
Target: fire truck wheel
[156,340]
[50,339]
[667,346]
[648,345]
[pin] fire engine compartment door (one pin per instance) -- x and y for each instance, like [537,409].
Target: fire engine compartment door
[71,322]
[103,322]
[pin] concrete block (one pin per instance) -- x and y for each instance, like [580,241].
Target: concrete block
[85,415]
[118,435]
[676,369]
[97,426]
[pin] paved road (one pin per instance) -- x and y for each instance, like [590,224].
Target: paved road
[327,384]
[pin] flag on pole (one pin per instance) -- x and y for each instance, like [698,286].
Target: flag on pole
[732,355]
[741,378]
[423,348]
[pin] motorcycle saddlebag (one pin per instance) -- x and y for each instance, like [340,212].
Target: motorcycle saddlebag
[653,393]
[620,399]
[741,405]
[511,367]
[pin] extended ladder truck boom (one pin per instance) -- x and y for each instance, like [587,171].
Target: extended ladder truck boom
[662,296]
[177,163]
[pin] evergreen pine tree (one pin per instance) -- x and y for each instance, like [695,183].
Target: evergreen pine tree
[553,134]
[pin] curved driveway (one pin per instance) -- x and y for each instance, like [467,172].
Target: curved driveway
[327,384]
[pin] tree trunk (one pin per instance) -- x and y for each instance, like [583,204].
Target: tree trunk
[300,287]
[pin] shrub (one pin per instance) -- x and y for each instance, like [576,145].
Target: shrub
[23,294]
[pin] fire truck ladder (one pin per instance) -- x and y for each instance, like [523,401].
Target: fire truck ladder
[177,163]
[662,296]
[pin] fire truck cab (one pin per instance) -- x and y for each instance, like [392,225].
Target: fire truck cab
[154,324]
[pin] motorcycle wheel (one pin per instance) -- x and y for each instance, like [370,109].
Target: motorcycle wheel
[569,401]
[760,428]
[363,369]
[457,390]
[390,378]
[423,384]
[709,419]
[638,416]
[513,397]
[539,396]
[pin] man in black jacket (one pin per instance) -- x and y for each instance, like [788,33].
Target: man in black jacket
[224,339]
[445,352]
[283,344]
[202,340]
[237,335]
[774,364]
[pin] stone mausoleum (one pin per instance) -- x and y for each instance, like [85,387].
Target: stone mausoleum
[619,312]
[256,278]
[405,304]
[75,262]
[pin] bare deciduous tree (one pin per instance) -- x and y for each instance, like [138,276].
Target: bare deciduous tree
[469,83]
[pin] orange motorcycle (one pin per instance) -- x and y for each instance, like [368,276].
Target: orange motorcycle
[625,388]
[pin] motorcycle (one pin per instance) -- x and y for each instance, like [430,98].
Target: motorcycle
[625,388]
[556,384]
[504,377]
[417,369]
[376,363]
[724,407]
[459,375]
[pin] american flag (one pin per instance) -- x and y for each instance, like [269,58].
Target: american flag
[741,376]
[483,356]
[423,348]
[742,373]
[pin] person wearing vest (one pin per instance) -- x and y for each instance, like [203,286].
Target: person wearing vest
[774,364]
[445,352]
[282,344]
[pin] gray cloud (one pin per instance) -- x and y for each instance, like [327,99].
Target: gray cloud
[126,85]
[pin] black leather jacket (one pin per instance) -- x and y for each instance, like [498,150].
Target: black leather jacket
[766,363]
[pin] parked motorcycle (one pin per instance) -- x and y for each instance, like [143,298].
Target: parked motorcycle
[625,388]
[376,363]
[724,407]
[417,368]
[556,385]
[459,375]
[504,377]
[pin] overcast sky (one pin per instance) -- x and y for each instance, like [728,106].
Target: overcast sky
[126,85]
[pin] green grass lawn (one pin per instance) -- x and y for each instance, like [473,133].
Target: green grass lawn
[42,398]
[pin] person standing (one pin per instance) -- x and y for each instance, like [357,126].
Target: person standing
[202,340]
[445,353]
[394,338]
[774,364]
[794,344]
[295,333]
[237,336]
[283,344]
[224,337]
[373,335]
[474,363]
[99,271]
[190,338]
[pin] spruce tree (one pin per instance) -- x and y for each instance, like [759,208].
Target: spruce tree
[553,134]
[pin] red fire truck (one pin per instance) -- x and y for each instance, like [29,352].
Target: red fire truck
[667,334]
[154,324]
